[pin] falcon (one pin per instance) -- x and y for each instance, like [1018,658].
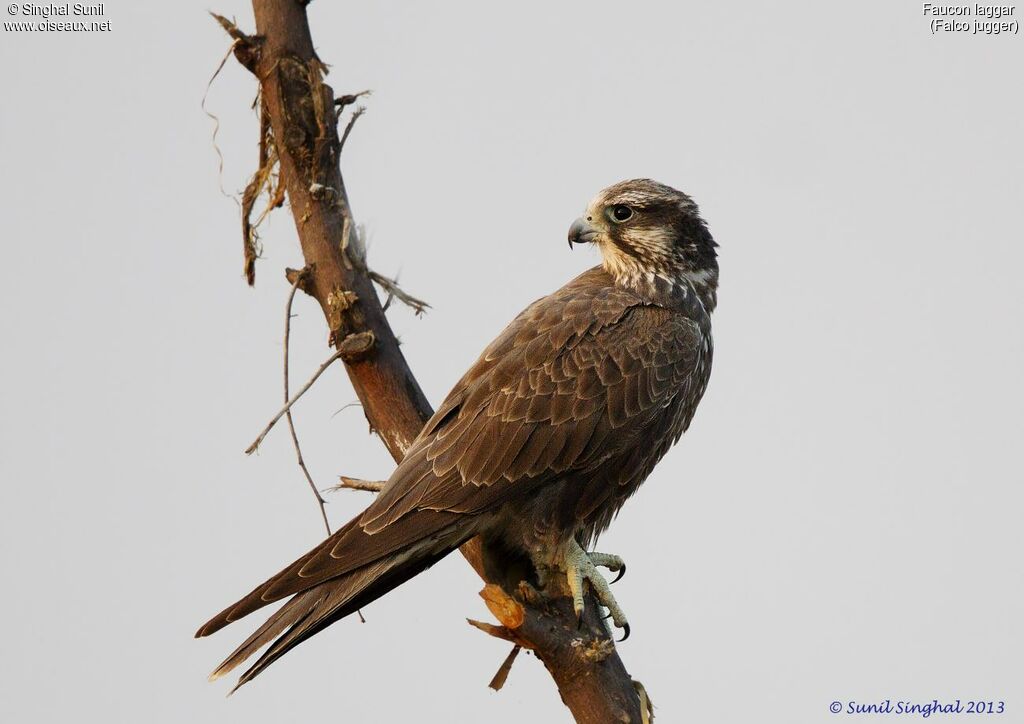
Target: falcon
[545,437]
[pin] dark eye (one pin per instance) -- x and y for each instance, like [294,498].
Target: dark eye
[620,213]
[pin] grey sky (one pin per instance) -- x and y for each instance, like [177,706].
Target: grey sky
[842,521]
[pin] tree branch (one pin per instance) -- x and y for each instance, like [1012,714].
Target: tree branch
[286,410]
[347,483]
[581,657]
[291,423]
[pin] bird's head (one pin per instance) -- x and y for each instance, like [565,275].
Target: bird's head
[646,231]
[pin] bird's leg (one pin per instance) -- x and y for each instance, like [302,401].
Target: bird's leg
[579,566]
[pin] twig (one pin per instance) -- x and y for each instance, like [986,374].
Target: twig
[351,348]
[393,290]
[348,128]
[347,100]
[288,405]
[506,666]
[288,414]
[347,483]
[231,29]
[498,632]
[343,408]
[245,47]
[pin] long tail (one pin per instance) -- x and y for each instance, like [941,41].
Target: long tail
[318,603]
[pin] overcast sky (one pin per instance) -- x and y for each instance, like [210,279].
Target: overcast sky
[842,521]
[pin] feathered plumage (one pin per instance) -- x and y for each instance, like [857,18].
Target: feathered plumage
[542,440]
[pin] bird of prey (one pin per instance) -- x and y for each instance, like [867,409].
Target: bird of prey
[540,443]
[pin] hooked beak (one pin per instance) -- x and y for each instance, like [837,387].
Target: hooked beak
[581,232]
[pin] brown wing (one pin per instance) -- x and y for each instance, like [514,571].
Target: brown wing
[541,400]
[544,399]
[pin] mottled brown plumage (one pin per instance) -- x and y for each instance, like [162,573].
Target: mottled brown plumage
[538,445]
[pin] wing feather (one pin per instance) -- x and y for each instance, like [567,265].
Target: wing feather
[539,404]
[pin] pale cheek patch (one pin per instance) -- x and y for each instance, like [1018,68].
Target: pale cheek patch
[617,262]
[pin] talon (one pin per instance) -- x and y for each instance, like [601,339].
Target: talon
[625,632]
[580,566]
[612,563]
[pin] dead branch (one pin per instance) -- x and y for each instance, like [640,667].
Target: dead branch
[584,664]
[501,675]
[372,486]
[246,48]
[291,423]
[347,100]
[350,346]
[343,408]
[396,292]
[351,122]
[498,632]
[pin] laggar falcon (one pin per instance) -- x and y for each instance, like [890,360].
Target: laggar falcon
[540,443]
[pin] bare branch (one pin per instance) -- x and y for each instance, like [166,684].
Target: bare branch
[231,29]
[288,405]
[393,290]
[347,483]
[291,423]
[350,348]
[498,632]
[343,408]
[346,100]
[245,47]
[506,666]
[348,128]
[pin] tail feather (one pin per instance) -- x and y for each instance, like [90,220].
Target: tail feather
[256,599]
[291,613]
[310,611]
[350,550]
